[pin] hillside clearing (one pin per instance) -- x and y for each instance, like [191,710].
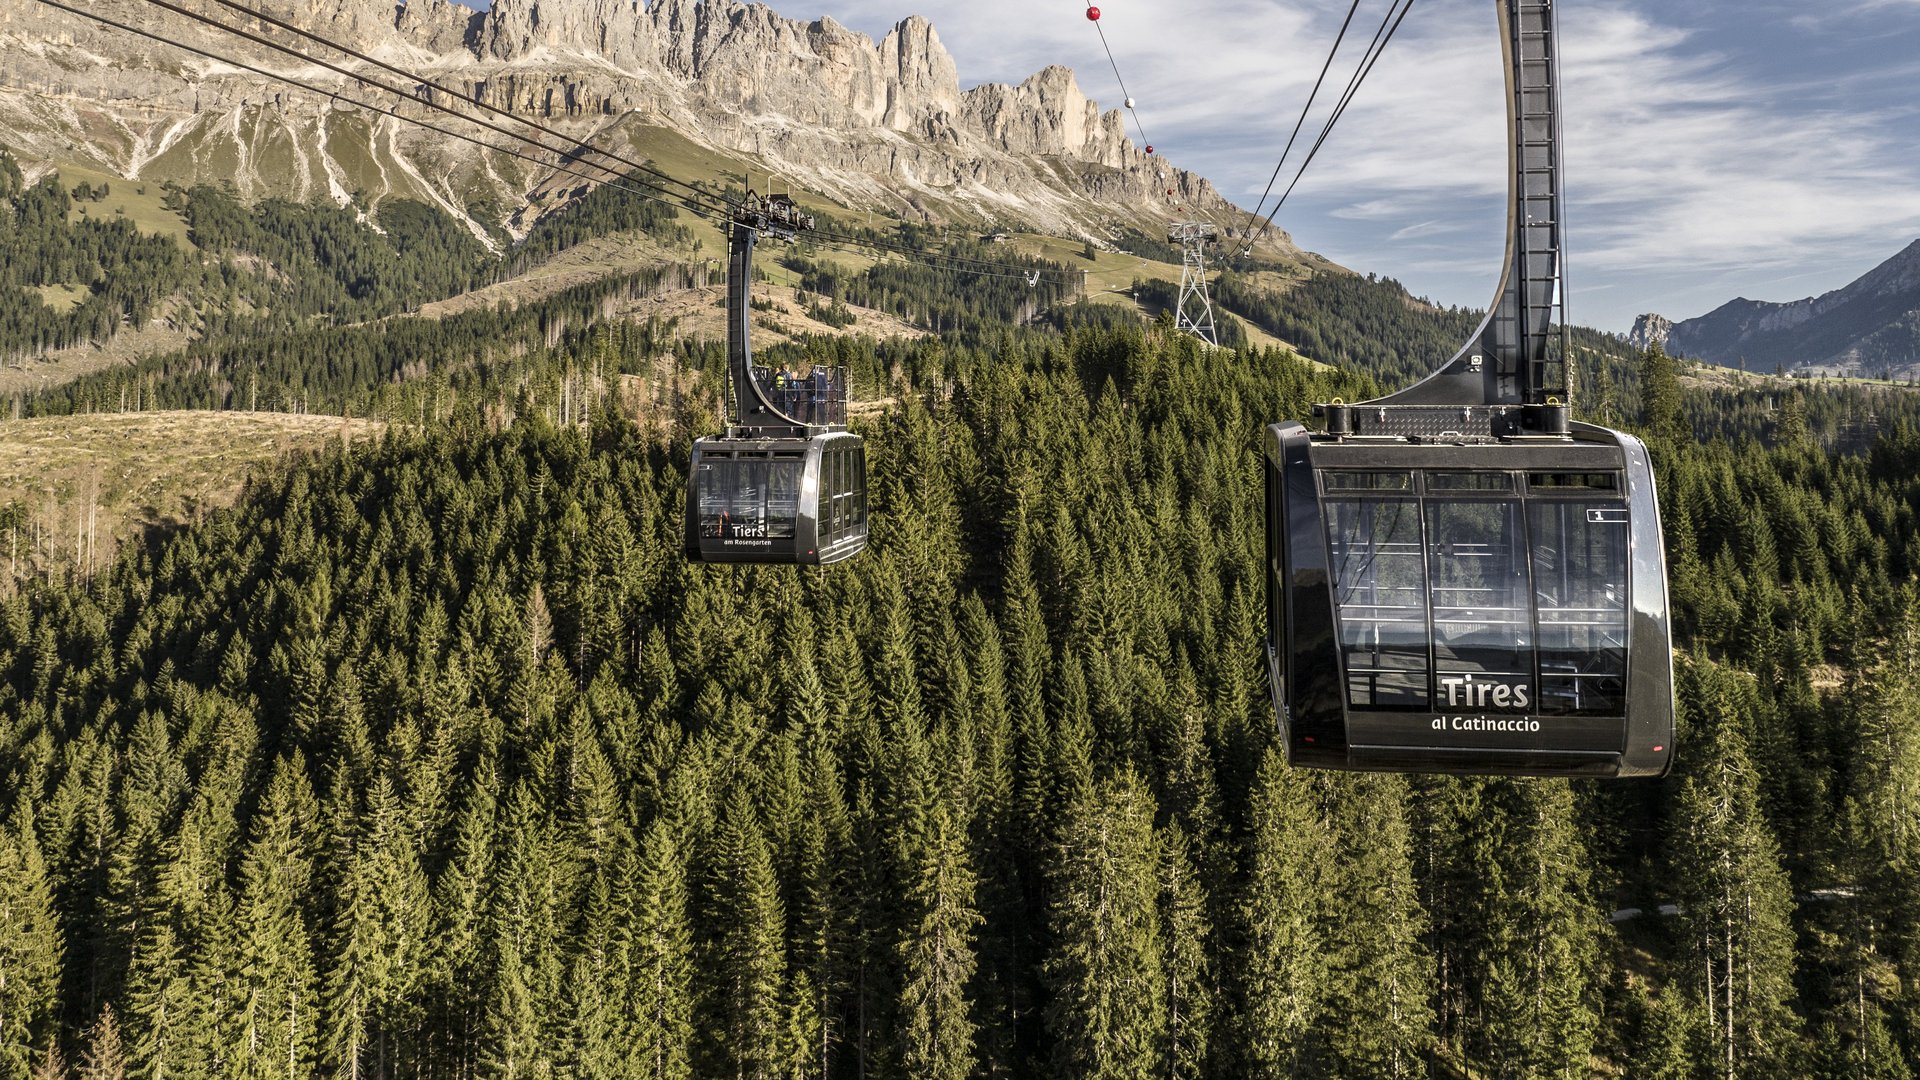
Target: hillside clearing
[161,335]
[85,484]
[138,201]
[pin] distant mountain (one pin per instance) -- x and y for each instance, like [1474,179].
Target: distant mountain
[1871,327]
[707,88]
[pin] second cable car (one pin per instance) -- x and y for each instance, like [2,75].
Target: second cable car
[787,483]
[1460,578]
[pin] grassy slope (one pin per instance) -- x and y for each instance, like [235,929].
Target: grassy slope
[61,298]
[1110,276]
[136,200]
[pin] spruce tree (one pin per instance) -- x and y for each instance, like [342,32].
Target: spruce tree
[745,958]
[1660,393]
[594,1018]
[454,967]
[1283,971]
[1537,953]
[1735,899]
[1188,968]
[1661,1044]
[30,946]
[277,991]
[1108,1017]
[936,953]
[105,1057]
[660,963]
[1380,972]
[1884,803]
[821,919]
[523,981]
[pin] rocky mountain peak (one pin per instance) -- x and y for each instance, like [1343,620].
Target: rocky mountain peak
[615,32]
[368,22]
[1648,330]
[439,26]
[927,79]
[1900,274]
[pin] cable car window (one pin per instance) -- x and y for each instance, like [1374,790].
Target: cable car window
[714,494]
[859,462]
[1482,622]
[1604,481]
[747,507]
[1580,569]
[829,506]
[749,499]
[783,496]
[1470,481]
[1367,481]
[1380,578]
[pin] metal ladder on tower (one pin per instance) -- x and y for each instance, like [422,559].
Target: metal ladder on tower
[1540,273]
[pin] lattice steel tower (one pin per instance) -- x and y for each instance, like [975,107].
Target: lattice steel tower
[1194,310]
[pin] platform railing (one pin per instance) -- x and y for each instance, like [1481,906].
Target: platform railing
[815,396]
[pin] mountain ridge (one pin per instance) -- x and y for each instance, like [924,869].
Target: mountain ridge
[1870,326]
[870,124]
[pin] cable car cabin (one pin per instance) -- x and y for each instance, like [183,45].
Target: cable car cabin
[777,500]
[1469,607]
[787,483]
[1460,578]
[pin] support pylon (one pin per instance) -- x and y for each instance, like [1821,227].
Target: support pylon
[1194,310]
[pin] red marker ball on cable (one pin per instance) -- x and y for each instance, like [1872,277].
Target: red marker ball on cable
[1093,14]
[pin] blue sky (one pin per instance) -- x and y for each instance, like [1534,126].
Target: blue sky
[1715,148]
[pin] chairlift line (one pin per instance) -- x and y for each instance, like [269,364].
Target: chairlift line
[1353,87]
[1093,16]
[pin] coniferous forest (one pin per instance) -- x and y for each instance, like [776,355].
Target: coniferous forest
[435,758]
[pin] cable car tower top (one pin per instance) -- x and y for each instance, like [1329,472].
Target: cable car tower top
[1510,379]
[1193,312]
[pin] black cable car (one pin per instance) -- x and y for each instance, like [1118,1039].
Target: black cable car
[787,483]
[1460,578]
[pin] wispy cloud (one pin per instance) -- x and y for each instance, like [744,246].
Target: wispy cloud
[1425,228]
